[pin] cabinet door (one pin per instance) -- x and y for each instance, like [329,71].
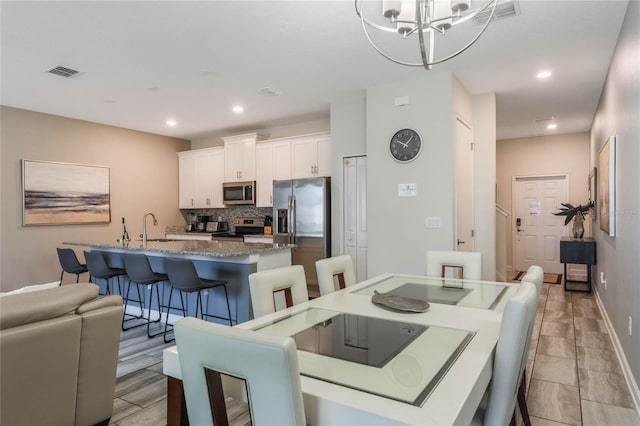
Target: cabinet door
[323,163]
[264,174]
[208,180]
[240,160]
[217,177]
[304,153]
[232,161]
[282,160]
[248,160]
[186,176]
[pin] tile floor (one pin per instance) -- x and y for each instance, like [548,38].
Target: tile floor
[573,374]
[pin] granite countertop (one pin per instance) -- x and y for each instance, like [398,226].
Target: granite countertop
[189,247]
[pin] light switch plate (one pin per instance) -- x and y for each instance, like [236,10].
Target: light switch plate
[401,101]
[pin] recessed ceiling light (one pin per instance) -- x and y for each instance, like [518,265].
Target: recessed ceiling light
[171,123]
[238,109]
[544,74]
[552,126]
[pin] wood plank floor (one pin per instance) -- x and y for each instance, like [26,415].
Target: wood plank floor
[574,377]
[141,388]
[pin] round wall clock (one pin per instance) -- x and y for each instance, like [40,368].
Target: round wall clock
[405,145]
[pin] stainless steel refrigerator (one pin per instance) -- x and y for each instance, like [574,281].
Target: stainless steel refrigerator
[302,216]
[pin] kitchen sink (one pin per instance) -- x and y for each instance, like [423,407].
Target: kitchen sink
[159,240]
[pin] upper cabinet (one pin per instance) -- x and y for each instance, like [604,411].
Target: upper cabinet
[240,157]
[311,156]
[201,173]
[273,162]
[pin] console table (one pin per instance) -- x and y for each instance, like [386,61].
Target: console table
[578,251]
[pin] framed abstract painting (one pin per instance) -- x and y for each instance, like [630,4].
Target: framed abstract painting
[607,186]
[64,194]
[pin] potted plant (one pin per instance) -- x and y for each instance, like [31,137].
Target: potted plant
[576,213]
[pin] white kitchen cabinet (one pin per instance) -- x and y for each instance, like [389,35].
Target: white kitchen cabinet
[311,156]
[187,179]
[273,162]
[201,173]
[240,157]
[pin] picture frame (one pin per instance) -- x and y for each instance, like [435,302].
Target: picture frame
[592,192]
[607,186]
[65,193]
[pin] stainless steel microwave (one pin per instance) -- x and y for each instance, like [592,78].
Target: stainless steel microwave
[239,192]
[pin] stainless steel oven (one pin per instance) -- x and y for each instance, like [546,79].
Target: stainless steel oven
[239,192]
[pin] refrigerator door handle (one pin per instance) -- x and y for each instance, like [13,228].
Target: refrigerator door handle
[289,203]
[293,220]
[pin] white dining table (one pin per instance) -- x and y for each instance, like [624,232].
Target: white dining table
[418,368]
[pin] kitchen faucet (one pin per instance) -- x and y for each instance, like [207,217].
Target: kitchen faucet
[144,226]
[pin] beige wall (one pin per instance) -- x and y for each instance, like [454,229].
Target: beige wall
[397,237]
[562,154]
[144,177]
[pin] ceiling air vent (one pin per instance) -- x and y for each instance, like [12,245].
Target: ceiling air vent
[62,71]
[504,9]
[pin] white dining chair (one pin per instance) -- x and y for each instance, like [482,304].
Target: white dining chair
[469,261]
[268,365]
[507,387]
[332,269]
[264,285]
[535,275]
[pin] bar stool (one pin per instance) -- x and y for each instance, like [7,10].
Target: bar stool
[140,273]
[98,269]
[69,263]
[184,278]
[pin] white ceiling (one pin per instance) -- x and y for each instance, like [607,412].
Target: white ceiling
[144,62]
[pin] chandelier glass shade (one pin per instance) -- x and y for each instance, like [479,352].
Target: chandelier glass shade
[425,19]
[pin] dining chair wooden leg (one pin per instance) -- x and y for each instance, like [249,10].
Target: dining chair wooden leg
[522,403]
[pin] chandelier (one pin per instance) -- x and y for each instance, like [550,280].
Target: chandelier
[425,18]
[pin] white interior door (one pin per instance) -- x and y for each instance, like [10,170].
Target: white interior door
[537,231]
[464,186]
[355,213]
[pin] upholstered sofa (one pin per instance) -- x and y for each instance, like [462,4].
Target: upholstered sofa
[58,356]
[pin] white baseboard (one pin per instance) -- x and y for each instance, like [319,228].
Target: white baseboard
[626,369]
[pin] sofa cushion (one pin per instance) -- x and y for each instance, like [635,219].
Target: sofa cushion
[33,306]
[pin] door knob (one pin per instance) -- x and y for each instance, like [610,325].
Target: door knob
[460,242]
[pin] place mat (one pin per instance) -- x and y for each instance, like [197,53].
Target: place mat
[548,278]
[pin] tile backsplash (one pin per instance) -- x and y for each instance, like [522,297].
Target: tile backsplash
[228,214]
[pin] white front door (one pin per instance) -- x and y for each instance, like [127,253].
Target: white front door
[537,231]
[464,186]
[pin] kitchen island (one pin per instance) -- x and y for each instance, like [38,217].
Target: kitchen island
[230,261]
